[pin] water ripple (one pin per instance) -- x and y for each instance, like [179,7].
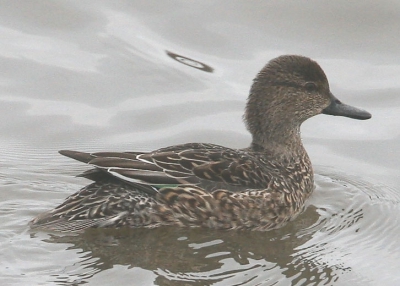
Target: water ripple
[349,227]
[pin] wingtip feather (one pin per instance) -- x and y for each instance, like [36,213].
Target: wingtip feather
[79,156]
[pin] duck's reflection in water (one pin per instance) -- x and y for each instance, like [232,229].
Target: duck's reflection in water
[200,256]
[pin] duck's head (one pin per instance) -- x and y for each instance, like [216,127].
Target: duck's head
[287,91]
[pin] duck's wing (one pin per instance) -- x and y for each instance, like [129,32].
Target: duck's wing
[187,164]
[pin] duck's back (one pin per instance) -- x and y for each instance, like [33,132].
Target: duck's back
[191,184]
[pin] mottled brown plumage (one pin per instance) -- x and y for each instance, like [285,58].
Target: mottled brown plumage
[261,187]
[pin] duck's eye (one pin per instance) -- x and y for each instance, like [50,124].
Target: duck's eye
[310,86]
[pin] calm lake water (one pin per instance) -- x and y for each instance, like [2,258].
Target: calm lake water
[139,75]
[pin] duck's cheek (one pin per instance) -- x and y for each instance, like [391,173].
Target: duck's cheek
[317,103]
[303,115]
[312,107]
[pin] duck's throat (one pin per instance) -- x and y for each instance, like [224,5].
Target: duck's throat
[279,140]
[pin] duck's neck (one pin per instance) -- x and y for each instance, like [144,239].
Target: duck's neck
[279,141]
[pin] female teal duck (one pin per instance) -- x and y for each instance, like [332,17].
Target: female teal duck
[260,187]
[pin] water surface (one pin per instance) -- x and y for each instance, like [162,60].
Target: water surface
[139,75]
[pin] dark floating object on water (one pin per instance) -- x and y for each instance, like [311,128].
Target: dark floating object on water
[260,187]
[190,62]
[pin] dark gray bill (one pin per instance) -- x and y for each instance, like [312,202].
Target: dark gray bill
[340,109]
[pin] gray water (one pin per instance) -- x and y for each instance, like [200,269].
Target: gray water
[139,75]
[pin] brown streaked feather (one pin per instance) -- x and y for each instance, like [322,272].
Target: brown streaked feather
[117,155]
[152,177]
[114,162]
[175,165]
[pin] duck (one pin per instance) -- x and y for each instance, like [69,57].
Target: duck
[260,187]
